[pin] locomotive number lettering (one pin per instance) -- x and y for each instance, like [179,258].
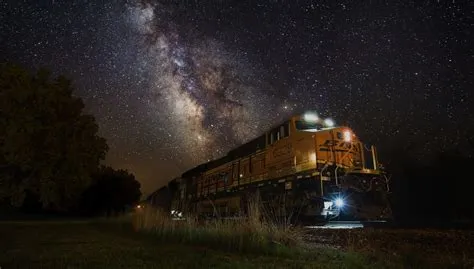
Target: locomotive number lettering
[345,146]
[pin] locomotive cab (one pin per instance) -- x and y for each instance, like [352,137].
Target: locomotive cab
[352,185]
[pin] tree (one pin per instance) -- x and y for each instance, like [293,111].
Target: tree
[112,191]
[48,148]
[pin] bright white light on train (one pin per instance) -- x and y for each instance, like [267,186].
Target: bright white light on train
[329,122]
[312,157]
[339,202]
[347,136]
[328,204]
[311,117]
[175,213]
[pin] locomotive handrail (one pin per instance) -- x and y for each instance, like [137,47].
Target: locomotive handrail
[337,167]
[387,182]
[326,165]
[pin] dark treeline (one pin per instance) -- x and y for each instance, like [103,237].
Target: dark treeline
[50,151]
[111,192]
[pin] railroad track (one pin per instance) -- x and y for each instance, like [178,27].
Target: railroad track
[392,225]
[350,225]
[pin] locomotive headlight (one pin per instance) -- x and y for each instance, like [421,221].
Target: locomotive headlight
[339,202]
[329,122]
[311,117]
[347,136]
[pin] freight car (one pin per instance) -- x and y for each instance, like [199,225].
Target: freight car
[305,168]
[163,197]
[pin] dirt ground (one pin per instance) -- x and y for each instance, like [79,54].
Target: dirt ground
[451,247]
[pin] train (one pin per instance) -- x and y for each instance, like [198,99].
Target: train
[305,168]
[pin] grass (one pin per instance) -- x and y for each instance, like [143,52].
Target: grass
[251,235]
[110,245]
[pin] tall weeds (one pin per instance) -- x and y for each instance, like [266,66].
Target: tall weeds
[256,233]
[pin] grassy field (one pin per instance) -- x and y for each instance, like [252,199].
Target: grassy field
[106,245]
[99,244]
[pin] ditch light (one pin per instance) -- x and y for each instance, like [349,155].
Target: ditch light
[339,202]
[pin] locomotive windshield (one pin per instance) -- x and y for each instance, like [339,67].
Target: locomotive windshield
[308,126]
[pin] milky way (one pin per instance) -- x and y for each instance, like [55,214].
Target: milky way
[175,83]
[203,92]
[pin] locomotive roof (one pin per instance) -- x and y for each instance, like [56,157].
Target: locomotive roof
[240,151]
[205,166]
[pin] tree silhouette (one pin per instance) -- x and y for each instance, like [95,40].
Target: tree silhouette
[48,148]
[112,191]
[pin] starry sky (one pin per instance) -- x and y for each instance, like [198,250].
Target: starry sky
[174,83]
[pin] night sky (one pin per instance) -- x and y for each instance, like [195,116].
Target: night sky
[175,83]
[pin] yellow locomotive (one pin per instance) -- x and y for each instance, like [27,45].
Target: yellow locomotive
[305,165]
